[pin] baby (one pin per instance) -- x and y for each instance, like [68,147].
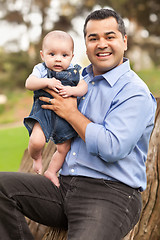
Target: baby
[57,73]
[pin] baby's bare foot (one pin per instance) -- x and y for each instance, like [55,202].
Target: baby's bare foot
[52,176]
[37,166]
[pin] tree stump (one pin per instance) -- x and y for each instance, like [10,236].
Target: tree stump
[38,230]
[148,227]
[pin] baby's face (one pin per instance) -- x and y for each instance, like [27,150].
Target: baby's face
[57,54]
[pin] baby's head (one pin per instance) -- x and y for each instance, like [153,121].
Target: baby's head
[57,50]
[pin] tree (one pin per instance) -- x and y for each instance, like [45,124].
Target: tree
[145,12]
[148,228]
[15,68]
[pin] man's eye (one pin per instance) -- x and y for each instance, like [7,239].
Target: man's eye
[110,37]
[92,39]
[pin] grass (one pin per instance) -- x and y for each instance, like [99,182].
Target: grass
[13,142]
[151,78]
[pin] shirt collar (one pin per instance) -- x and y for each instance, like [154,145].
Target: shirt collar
[113,75]
[87,70]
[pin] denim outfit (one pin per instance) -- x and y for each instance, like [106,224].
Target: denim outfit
[53,126]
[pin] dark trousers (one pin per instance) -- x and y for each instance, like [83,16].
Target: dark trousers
[89,208]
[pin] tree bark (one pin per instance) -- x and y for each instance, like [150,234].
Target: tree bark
[148,227]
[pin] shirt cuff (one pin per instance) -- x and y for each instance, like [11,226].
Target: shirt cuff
[91,137]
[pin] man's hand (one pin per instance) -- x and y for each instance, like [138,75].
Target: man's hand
[62,107]
[67,109]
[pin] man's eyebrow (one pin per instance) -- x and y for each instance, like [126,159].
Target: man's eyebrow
[111,32]
[92,35]
[96,34]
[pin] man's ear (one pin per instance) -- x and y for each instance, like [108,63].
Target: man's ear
[125,43]
[41,54]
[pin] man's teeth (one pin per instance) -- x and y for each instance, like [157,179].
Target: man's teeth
[103,54]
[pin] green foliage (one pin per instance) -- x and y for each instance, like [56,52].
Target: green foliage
[2,108]
[14,69]
[13,142]
[151,78]
[139,10]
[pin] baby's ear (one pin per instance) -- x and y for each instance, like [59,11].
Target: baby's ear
[41,54]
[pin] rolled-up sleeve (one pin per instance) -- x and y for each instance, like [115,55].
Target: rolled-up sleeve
[91,137]
[122,127]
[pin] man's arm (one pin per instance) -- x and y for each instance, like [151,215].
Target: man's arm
[67,109]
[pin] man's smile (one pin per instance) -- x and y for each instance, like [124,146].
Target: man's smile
[103,54]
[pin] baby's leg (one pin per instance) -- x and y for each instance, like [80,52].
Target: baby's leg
[36,144]
[57,161]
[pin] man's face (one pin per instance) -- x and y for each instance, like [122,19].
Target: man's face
[105,45]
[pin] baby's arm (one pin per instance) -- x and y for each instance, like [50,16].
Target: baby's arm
[34,83]
[76,91]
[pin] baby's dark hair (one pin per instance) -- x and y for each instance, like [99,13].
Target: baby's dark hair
[103,14]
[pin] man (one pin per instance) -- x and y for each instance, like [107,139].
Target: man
[104,172]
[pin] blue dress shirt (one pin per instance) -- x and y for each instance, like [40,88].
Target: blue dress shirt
[122,111]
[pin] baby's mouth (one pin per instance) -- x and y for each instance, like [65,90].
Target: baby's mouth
[57,66]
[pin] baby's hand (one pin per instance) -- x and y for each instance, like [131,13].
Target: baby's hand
[54,84]
[66,91]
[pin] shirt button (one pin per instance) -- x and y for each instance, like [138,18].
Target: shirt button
[93,83]
[74,153]
[83,98]
[72,170]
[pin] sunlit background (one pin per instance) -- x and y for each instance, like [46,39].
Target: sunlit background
[24,23]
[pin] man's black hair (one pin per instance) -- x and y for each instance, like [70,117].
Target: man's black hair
[103,14]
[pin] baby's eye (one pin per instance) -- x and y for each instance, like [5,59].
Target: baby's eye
[64,55]
[52,54]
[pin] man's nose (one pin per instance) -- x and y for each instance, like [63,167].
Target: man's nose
[102,43]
